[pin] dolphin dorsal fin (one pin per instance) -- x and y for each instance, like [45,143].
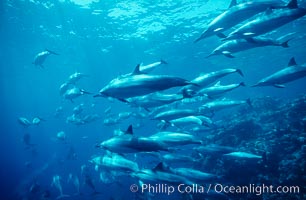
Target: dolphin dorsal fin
[160,167]
[292,4]
[233,3]
[292,62]
[218,83]
[129,130]
[136,70]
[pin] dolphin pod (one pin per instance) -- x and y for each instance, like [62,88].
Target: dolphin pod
[269,21]
[235,14]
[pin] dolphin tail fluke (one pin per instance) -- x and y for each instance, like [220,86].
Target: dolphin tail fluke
[52,52]
[285,44]
[163,62]
[240,72]
[63,196]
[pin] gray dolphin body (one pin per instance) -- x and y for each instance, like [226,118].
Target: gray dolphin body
[209,78]
[74,92]
[233,46]
[41,57]
[218,89]
[268,22]
[161,173]
[194,175]
[175,138]
[140,84]
[174,114]
[288,74]
[73,78]
[128,143]
[115,162]
[150,67]
[155,99]
[222,104]
[236,14]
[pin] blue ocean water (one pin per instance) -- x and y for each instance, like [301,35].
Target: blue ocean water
[105,39]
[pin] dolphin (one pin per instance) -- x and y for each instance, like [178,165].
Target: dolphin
[269,21]
[56,182]
[242,155]
[174,114]
[73,78]
[76,182]
[222,104]
[175,138]
[228,48]
[288,74]
[41,57]
[150,67]
[194,175]
[74,92]
[128,143]
[178,158]
[235,14]
[88,181]
[186,121]
[155,99]
[24,121]
[214,149]
[116,162]
[208,78]
[160,174]
[139,84]
[218,89]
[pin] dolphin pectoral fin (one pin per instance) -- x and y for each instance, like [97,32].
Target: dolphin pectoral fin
[42,66]
[248,34]
[292,62]
[279,86]
[228,54]
[123,100]
[221,35]
[250,40]
[240,72]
